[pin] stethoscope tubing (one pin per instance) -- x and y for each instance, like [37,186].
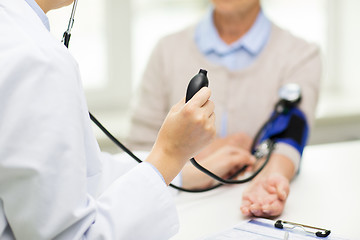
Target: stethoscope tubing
[193,161]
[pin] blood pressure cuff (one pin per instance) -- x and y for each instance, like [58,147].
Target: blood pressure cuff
[291,128]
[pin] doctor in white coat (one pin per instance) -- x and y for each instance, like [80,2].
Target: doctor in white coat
[54,181]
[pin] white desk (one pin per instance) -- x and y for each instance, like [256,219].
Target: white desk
[325,194]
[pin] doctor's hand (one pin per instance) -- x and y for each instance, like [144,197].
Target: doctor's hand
[224,162]
[186,130]
[266,194]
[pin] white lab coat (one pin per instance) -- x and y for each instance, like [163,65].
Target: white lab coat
[54,181]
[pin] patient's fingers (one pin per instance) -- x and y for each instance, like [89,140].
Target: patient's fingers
[274,209]
[245,208]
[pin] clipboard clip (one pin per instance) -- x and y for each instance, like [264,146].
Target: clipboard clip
[319,232]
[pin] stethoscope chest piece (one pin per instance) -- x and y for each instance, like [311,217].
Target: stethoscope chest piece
[290,96]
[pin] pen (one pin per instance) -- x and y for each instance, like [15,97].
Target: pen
[286,236]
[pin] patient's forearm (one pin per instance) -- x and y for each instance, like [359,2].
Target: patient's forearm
[279,164]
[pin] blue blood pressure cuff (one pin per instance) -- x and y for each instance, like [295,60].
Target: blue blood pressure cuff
[290,127]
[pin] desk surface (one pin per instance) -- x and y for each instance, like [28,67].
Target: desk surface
[326,194]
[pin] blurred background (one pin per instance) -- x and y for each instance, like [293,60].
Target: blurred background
[112,40]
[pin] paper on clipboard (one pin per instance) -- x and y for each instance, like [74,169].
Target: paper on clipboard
[263,229]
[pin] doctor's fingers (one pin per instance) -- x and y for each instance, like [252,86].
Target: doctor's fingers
[178,106]
[208,108]
[199,112]
[203,116]
[200,98]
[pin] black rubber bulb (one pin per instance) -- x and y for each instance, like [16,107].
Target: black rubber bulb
[199,81]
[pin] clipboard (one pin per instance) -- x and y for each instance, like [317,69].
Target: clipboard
[265,229]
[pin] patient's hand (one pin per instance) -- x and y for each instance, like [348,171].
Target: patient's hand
[224,162]
[266,195]
[239,140]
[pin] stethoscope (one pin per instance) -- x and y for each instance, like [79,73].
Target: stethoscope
[67,33]
[290,96]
